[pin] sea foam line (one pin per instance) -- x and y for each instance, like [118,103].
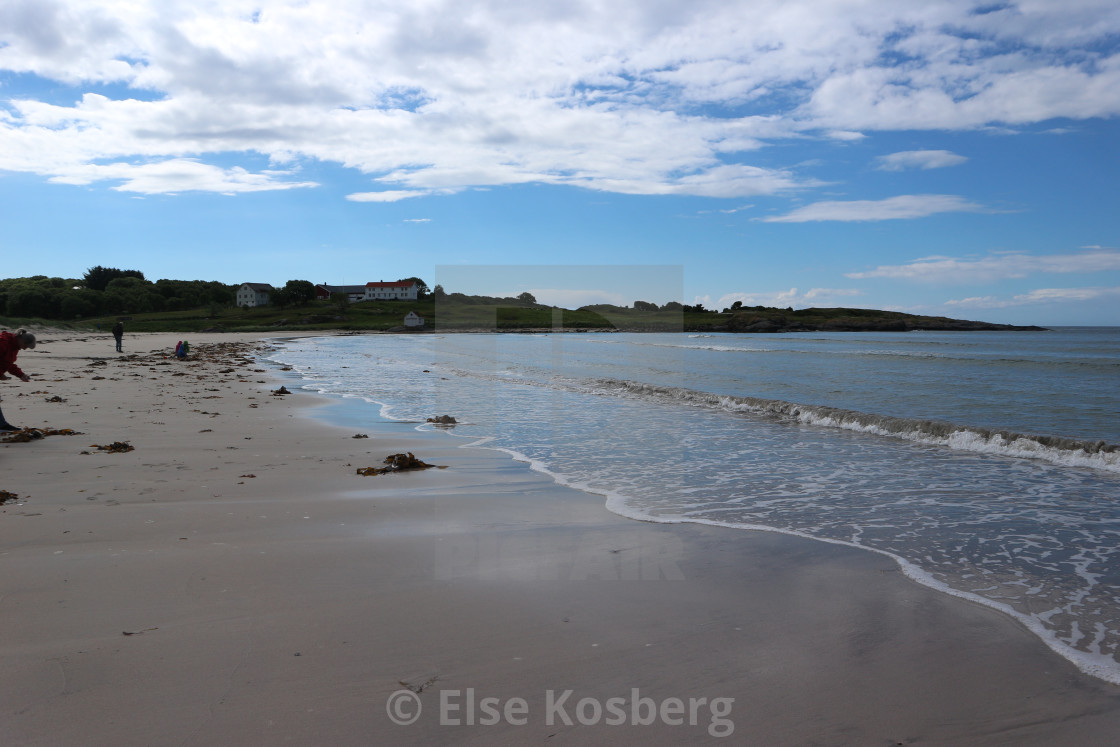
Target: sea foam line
[1055,449]
[1059,450]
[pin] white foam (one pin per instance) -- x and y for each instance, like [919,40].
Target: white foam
[962,438]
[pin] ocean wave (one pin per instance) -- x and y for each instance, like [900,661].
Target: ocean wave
[1055,449]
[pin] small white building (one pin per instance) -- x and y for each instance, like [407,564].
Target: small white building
[253,294]
[400,290]
[412,320]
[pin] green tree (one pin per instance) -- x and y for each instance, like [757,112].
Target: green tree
[218,292]
[300,292]
[75,305]
[98,278]
[644,306]
[127,283]
[281,298]
[527,298]
[421,287]
[132,295]
[29,300]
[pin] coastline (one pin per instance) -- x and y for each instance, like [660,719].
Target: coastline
[164,596]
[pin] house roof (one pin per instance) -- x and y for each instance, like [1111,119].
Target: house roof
[395,284]
[259,286]
[342,288]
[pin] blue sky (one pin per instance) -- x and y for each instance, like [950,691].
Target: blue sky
[956,158]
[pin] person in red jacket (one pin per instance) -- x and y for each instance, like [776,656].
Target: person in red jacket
[10,345]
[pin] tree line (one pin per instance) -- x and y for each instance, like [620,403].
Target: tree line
[528,299]
[106,291]
[110,291]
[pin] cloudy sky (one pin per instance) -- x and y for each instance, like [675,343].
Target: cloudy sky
[947,157]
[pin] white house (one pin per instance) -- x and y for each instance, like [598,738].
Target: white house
[400,290]
[253,294]
[413,321]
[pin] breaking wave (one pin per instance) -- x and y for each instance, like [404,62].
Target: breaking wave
[1068,452]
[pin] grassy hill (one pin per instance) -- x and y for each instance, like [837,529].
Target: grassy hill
[478,314]
[762,319]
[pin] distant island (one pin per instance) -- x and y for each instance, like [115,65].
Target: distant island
[107,295]
[854,320]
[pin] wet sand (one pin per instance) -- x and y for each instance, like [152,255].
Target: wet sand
[233,581]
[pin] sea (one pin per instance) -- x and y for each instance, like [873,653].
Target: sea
[987,464]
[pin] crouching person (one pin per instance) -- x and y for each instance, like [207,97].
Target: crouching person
[10,345]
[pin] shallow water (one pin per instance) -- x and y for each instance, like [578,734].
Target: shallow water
[983,462]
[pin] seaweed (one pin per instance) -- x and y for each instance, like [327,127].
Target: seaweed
[398,463]
[117,447]
[34,434]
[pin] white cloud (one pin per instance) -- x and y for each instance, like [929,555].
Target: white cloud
[571,298]
[1038,296]
[608,96]
[892,208]
[178,175]
[919,159]
[846,135]
[813,297]
[995,267]
[828,294]
[417,220]
[389,195]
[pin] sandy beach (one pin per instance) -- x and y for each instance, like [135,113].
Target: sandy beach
[232,580]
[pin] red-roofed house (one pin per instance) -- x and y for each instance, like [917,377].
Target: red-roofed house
[400,290]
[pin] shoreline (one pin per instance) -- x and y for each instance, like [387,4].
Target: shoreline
[1098,666]
[165,596]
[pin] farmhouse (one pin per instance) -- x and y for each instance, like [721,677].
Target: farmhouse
[253,294]
[412,320]
[401,290]
[354,293]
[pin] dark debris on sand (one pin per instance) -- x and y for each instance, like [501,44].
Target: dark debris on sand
[398,463]
[25,435]
[117,447]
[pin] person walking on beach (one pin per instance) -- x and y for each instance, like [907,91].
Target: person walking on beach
[10,345]
[118,333]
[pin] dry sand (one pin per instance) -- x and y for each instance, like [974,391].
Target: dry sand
[232,581]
